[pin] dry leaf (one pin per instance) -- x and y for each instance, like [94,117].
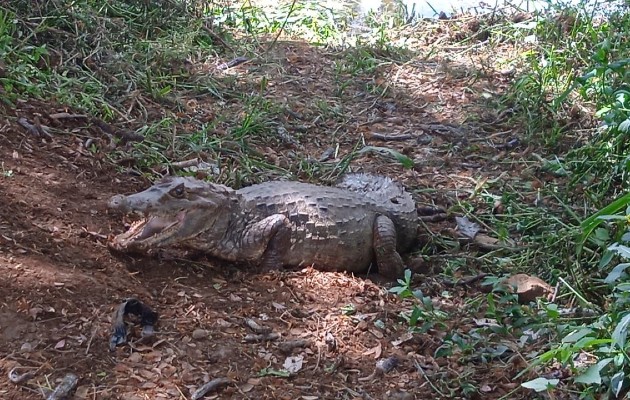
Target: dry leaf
[404,338]
[293,364]
[527,287]
[376,351]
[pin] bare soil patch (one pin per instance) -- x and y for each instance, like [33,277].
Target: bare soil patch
[60,284]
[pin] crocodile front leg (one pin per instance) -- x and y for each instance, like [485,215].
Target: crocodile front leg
[266,240]
[389,262]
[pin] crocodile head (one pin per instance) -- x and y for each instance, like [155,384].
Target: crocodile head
[174,210]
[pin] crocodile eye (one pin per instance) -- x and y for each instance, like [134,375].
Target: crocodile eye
[179,191]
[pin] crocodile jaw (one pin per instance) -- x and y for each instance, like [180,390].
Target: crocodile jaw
[151,231]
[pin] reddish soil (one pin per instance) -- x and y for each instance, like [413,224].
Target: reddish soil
[60,286]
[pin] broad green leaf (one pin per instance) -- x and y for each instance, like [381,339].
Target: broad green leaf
[576,335]
[606,259]
[616,383]
[616,273]
[590,376]
[540,384]
[443,351]
[602,234]
[604,362]
[623,251]
[619,360]
[552,310]
[592,222]
[396,289]
[589,342]
[415,316]
[620,332]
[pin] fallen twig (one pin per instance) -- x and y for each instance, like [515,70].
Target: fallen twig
[65,115]
[210,386]
[95,234]
[288,345]
[251,324]
[65,388]
[388,138]
[268,337]
[186,163]
[36,129]
[216,37]
[233,63]
[426,378]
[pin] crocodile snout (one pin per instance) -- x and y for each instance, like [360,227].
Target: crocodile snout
[118,202]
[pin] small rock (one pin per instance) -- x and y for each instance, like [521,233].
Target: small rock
[199,334]
[26,348]
[528,288]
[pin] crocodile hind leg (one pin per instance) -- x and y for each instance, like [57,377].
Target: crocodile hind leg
[266,241]
[389,262]
[273,256]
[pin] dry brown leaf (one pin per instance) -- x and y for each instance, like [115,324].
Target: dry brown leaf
[246,387]
[528,287]
[376,332]
[254,381]
[375,351]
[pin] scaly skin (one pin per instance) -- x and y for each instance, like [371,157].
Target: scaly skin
[276,224]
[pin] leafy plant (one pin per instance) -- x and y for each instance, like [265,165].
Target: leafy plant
[598,351]
[423,315]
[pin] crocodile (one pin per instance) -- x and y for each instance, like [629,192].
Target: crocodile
[276,224]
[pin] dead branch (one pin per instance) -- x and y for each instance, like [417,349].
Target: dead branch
[251,338]
[36,129]
[390,138]
[210,386]
[287,346]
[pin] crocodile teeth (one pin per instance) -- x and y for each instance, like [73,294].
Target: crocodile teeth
[154,225]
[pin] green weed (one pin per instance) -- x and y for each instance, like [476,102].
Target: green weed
[423,315]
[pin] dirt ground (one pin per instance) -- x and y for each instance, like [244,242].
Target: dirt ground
[60,285]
